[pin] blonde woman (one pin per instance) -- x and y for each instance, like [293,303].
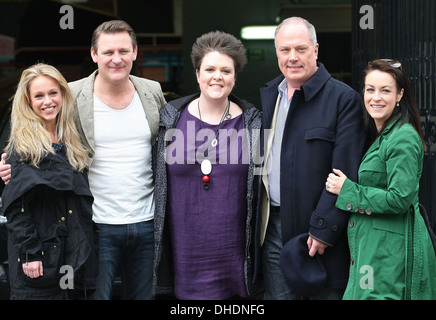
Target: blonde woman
[47,203]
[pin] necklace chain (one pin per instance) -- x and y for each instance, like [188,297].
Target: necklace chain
[225,114]
[206,166]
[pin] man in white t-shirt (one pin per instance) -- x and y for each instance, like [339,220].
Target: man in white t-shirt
[117,115]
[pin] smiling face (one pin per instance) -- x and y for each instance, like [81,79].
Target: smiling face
[45,98]
[381,96]
[296,53]
[216,76]
[115,56]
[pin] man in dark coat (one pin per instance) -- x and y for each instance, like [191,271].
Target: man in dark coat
[312,124]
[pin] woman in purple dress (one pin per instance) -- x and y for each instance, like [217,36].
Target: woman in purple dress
[206,181]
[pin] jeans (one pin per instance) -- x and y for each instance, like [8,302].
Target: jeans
[276,287]
[129,250]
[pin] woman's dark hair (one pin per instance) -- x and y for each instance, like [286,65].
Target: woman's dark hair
[407,106]
[218,41]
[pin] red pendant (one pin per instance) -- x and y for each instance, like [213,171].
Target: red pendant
[206,179]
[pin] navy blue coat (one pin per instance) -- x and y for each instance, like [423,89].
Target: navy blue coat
[323,130]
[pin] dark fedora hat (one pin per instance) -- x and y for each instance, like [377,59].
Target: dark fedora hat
[305,275]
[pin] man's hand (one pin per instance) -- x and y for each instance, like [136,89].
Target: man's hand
[315,246]
[5,169]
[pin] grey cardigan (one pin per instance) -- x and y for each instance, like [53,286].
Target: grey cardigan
[169,116]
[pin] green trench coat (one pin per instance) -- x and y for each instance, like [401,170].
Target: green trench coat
[390,249]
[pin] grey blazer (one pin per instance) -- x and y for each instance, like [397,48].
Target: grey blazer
[82,90]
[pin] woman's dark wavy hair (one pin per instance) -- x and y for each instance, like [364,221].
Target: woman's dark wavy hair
[220,42]
[407,107]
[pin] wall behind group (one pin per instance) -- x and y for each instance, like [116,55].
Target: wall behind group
[230,16]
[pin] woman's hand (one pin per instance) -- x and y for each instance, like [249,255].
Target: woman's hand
[335,181]
[33,269]
[5,169]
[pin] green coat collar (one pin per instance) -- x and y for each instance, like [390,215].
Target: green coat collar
[384,135]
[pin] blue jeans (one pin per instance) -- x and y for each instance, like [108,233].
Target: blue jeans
[276,287]
[129,249]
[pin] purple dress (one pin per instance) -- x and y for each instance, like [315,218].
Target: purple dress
[207,227]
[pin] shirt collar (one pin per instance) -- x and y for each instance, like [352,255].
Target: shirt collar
[283,88]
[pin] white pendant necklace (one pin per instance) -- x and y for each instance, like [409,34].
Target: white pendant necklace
[206,165]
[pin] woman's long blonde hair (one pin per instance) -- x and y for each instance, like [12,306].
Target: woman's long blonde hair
[29,138]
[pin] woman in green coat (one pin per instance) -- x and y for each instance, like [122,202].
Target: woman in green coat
[391,252]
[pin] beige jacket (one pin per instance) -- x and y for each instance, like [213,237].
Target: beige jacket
[149,92]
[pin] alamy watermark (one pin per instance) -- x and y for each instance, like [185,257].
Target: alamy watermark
[367,20]
[234,147]
[67,280]
[367,280]
[67,20]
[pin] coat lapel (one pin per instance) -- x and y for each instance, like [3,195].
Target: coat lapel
[149,104]
[376,145]
[85,107]
[268,96]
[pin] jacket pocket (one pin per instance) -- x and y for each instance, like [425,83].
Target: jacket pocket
[373,174]
[390,223]
[320,134]
[373,164]
[319,145]
[51,263]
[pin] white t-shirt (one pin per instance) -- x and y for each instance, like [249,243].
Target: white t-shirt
[120,176]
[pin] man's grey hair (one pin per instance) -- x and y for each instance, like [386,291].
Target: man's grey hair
[310,27]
